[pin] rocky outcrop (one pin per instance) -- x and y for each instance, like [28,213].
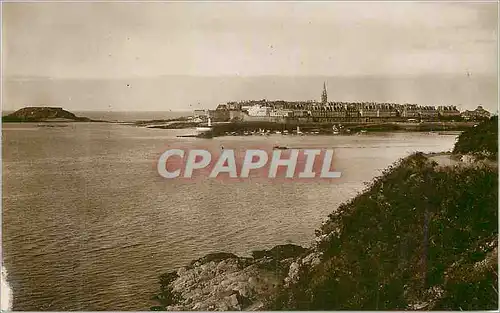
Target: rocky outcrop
[226,282]
[42,114]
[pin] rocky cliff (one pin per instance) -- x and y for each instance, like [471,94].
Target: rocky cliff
[40,114]
[226,282]
[423,236]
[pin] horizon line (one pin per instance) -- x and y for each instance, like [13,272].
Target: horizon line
[14,77]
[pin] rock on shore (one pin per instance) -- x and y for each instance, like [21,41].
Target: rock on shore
[226,282]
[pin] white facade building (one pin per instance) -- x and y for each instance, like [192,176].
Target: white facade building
[258,110]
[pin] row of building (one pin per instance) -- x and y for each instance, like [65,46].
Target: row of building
[324,111]
[346,112]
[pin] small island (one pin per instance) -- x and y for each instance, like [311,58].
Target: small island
[43,114]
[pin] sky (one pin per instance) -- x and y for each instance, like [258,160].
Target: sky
[133,41]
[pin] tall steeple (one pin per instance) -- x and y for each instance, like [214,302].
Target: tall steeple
[324,95]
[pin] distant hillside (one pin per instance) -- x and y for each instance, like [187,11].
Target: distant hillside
[39,114]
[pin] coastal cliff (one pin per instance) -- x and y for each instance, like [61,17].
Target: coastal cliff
[42,114]
[224,281]
[422,236]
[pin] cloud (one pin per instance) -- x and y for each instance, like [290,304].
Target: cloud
[116,40]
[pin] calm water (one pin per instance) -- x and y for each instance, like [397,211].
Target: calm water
[130,116]
[89,225]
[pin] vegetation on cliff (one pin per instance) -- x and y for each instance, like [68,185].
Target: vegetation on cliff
[422,237]
[40,114]
[481,141]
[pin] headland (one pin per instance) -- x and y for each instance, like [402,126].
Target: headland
[422,236]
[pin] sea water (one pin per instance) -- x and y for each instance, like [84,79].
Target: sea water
[89,224]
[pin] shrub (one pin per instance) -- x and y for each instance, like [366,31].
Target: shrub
[400,238]
[481,140]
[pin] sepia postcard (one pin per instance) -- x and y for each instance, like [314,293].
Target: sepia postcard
[249,156]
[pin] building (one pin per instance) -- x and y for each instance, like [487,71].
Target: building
[370,111]
[234,106]
[236,115]
[299,113]
[449,111]
[221,115]
[223,107]
[281,113]
[258,110]
[246,107]
[387,110]
[410,111]
[429,113]
[200,113]
[478,114]
[324,95]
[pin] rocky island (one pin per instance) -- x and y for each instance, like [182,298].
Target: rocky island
[43,114]
[422,236]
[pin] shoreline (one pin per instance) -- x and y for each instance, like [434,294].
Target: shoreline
[332,275]
[263,129]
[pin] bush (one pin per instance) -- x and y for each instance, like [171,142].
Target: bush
[481,140]
[392,244]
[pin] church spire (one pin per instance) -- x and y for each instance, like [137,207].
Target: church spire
[324,95]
